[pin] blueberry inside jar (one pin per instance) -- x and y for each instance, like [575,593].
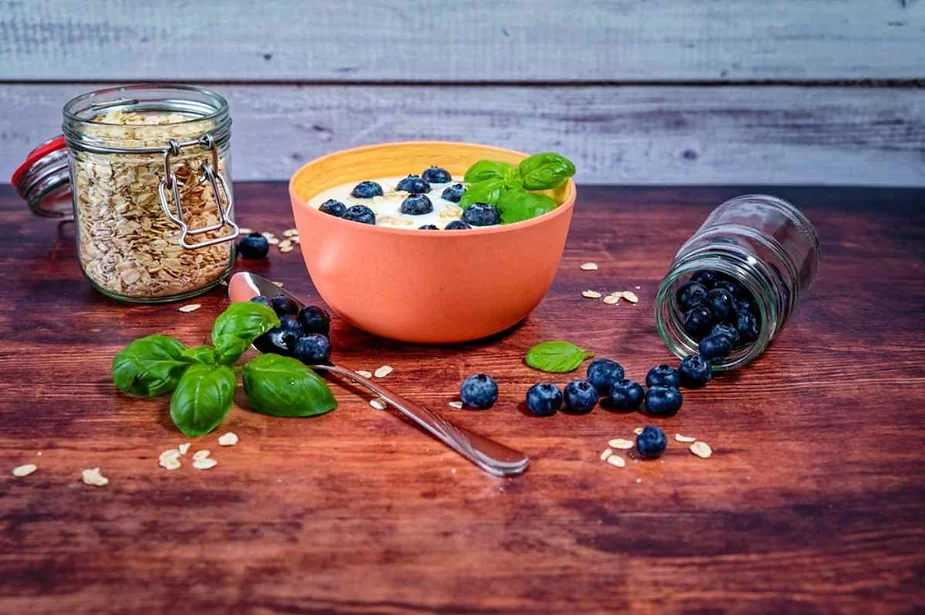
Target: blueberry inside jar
[733,286]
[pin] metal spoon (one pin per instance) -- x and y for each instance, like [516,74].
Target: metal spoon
[490,456]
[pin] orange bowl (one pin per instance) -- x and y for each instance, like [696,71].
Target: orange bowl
[425,286]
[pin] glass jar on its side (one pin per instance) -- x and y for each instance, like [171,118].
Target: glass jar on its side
[762,242]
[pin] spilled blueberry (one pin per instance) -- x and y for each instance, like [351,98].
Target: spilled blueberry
[276,341]
[478,391]
[312,349]
[481,214]
[333,208]
[663,375]
[694,371]
[253,246]
[625,395]
[413,184]
[366,190]
[283,304]
[453,193]
[580,397]
[603,374]
[361,214]
[651,443]
[544,399]
[315,319]
[729,331]
[291,324]
[436,175]
[663,401]
[417,205]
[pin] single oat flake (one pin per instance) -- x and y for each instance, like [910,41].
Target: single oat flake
[364,373]
[617,461]
[630,296]
[591,294]
[456,404]
[170,453]
[170,463]
[228,439]
[24,470]
[686,439]
[701,449]
[613,299]
[183,448]
[383,371]
[192,307]
[589,267]
[93,477]
[201,454]
[378,404]
[285,244]
[204,464]
[621,444]
[606,453]
[638,431]
[289,232]
[243,230]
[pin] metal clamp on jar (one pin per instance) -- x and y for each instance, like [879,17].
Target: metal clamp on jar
[150,189]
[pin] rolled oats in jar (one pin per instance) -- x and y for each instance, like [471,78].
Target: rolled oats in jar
[151,190]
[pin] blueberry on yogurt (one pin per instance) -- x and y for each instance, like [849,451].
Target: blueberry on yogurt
[413,184]
[453,193]
[333,207]
[366,190]
[481,214]
[429,227]
[361,214]
[436,175]
[456,225]
[417,205]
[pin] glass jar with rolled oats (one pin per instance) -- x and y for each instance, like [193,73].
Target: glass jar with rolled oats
[151,190]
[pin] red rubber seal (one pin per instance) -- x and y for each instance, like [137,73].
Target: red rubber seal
[37,154]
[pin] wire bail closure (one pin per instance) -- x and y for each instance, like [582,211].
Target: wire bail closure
[207,172]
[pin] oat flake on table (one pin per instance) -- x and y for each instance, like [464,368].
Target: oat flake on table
[456,404]
[378,404]
[204,464]
[616,460]
[228,439]
[383,371]
[192,307]
[621,443]
[701,449]
[201,454]
[93,477]
[589,267]
[686,439]
[364,373]
[591,294]
[24,470]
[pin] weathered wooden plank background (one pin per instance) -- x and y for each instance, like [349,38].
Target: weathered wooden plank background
[650,92]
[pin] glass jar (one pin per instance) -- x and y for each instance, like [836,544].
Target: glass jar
[762,242]
[149,185]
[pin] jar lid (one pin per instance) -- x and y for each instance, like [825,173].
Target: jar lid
[44,181]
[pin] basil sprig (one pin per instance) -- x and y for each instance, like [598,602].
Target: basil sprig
[556,356]
[518,205]
[203,384]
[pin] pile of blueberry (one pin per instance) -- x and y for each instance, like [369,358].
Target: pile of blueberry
[302,334]
[719,314]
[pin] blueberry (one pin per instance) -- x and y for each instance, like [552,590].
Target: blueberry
[436,175]
[745,306]
[416,205]
[625,395]
[413,184]
[663,375]
[698,321]
[333,208]
[603,374]
[283,304]
[366,190]
[478,391]
[691,294]
[253,246]
[315,319]
[732,287]
[312,349]
[694,372]
[261,300]
[747,326]
[651,442]
[707,278]
[481,214]
[715,347]
[453,193]
[290,324]
[544,399]
[722,303]
[361,214]
[277,341]
[663,401]
[429,227]
[580,397]
[729,331]
[456,225]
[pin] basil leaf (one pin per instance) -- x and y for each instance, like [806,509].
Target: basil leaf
[487,191]
[201,354]
[150,366]
[556,357]
[517,205]
[512,178]
[282,386]
[202,398]
[546,170]
[487,169]
[237,328]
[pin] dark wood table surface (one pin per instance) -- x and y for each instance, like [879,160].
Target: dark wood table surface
[813,502]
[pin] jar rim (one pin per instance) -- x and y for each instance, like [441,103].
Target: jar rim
[76,109]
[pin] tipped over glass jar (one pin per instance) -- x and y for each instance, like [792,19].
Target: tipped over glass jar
[740,276]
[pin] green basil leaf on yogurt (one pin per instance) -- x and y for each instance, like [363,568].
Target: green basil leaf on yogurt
[237,328]
[517,205]
[545,171]
[487,191]
[201,354]
[282,386]
[487,169]
[202,398]
[150,366]
[556,357]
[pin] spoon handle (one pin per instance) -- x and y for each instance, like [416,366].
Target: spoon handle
[490,456]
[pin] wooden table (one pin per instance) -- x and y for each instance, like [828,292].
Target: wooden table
[813,501]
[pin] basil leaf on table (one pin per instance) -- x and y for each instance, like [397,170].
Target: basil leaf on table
[150,366]
[282,386]
[487,169]
[486,191]
[556,357]
[546,170]
[201,354]
[518,205]
[237,328]
[202,398]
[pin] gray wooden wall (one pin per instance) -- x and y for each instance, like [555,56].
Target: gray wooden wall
[635,91]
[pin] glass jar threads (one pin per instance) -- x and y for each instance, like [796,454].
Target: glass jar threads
[757,250]
[151,191]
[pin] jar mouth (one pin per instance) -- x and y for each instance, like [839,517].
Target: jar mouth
[198,103]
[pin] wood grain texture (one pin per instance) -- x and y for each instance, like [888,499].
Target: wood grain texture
[638,135]
[812,502]
[447,42]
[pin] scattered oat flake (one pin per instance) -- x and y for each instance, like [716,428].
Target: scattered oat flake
[621,444]
[679,438]
[701,449]
[456,404]
[202,454]
[204,464]
[364,373]
[273,241]
[24,470]
[638,430]
[192,307]
[378,404]
[170,463]
[613,299]
[616,460]
[183,448]
[245,230]
[268,235]
[589,267]
[606,453]
[289,232]
[383,371]
[170,453]
[630,296]
[286,243]
[228,439]
[93,477]
[591,294]
[286,250]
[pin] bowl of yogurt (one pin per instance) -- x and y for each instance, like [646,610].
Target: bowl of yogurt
[379,252]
